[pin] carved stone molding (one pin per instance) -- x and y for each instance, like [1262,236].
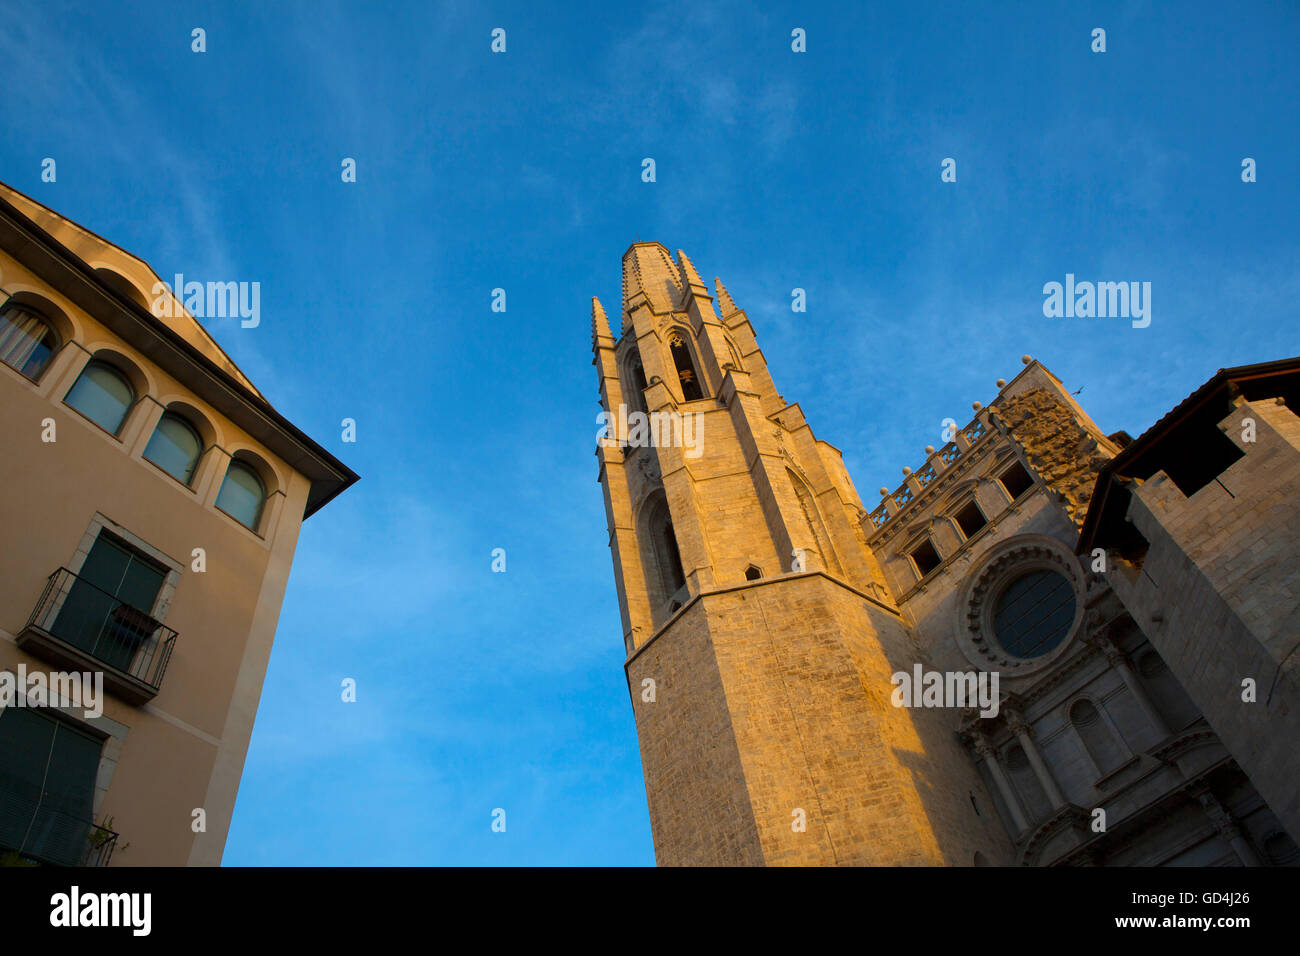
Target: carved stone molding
[985,585]
[1102,642]
[1059,449]
[1068,819]
[779,434]
[648,466]
[1015,721]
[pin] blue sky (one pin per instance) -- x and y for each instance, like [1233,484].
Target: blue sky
[476,429]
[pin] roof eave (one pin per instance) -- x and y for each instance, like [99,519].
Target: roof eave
[1166,424]
[39,251]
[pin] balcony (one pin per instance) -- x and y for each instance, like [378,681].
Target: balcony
[80,627]
[36,833]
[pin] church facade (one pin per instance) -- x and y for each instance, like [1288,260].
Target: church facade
[804,671]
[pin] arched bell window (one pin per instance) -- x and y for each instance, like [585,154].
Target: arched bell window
[175,447]
[102,394]
[687,374]
[26,340]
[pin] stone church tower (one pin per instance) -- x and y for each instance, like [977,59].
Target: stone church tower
[765,613]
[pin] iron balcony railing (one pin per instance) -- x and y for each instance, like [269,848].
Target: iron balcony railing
[100,844]
[38,830]
[89,622]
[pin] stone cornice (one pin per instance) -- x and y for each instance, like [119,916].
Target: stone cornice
[748,585]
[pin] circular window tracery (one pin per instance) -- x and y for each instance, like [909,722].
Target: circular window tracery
[1020,608]
[1033,613]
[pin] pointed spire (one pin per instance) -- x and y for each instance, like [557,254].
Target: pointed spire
[599,322]
[627,293]
[689,275]
[631,280]
[649,272]
[724,299]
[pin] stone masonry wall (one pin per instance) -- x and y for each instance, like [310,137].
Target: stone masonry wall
[699,806]
[1059,449]
[803,667]
[1218,595]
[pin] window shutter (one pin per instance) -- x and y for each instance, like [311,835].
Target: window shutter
[47,786]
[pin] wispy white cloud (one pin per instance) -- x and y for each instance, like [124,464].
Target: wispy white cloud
[68,76]
[664,87]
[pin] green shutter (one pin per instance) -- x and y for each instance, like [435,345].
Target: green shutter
[47,786]
[111,575]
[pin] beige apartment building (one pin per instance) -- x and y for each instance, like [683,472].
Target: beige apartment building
[153,499]
[1135,600]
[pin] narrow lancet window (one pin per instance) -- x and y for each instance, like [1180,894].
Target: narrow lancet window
[686,371]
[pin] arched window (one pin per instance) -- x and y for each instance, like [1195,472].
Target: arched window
[675,577]
[735,354]
[660,557]
[1280,849]
[638,384]
[1096,736]
[808,505]
[103,395]
[661,561]
[687,375]
[175,447]
[1034,613]
[242,494]
[26,340]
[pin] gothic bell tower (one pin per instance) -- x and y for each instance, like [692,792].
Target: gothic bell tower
[760,632]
